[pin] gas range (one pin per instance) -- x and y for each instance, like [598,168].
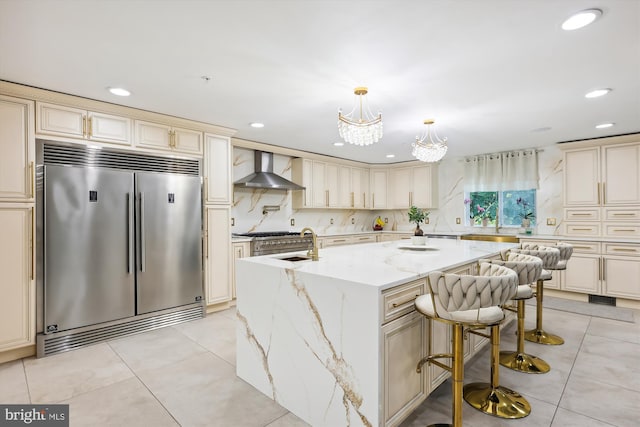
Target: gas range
[277,242]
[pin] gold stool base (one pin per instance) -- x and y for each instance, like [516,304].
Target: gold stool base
[523,362]
[541,337]
[500,402]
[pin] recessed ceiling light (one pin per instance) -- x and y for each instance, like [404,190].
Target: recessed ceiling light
[119,91]
[390,156]
[604,125]
[256,125]
[338,144]
[581,19]
[598,92]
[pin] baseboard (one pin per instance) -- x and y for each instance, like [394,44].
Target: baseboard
[18,353]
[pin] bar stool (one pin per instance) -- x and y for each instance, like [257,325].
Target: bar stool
[550,257]
[492,398]
[464,301]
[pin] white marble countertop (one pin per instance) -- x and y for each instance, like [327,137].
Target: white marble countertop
[385,264]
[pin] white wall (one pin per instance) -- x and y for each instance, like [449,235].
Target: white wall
[247,209]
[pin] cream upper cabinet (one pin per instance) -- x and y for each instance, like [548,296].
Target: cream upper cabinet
[413,186]
[77,123]
[359,188]
[17,150]
[164,137]
[621,174]
[319,192]
[345,192]
[217,254]
[17,305]
[332,185]
[582,177]
[217,165]
[302,174]
[378,188]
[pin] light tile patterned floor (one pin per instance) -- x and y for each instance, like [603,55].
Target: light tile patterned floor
[185,375]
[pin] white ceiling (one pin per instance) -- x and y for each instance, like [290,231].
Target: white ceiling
[491,73]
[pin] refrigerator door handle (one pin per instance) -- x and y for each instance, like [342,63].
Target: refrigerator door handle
[129,233]
[142,243]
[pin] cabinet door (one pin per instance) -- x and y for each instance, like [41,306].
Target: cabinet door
[621,183]
[153,135]
[332,185]
[401,188]
[217,169]
[187,141]
[302,174]
[621,276]
[17,148]
[422,185]
[319,196]
[378,188]
[17,305]
[582,177]
[346,198]
[404,342]
[218,255]
[58,120]
[582,274]
[359,187]
[108,128]
[240,250]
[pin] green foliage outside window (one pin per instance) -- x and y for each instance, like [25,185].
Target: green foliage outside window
[511,206]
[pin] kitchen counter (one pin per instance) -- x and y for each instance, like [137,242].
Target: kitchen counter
[310,333]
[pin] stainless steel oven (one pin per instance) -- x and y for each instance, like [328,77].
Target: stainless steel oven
[277,242]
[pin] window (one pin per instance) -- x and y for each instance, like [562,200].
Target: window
[511,207]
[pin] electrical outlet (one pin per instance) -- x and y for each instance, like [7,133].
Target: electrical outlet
[551,221]
[293,222]
[331,221]
[458,220]
[426,220]
[386,220]
[353,220]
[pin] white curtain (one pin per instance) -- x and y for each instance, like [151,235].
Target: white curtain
[514,170]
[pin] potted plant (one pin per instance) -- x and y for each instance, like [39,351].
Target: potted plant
[526,212]
[418,216]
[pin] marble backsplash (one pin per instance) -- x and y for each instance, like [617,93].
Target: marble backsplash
[250,215]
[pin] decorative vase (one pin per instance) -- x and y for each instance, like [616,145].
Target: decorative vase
[418,240]
[485,222]
[526,222]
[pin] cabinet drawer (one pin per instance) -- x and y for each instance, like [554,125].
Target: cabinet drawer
[398,301]
[336,241]
[613,214]
[364,239]
[621,249]
[585,247]
[582,229]
[582,214]
[622,230]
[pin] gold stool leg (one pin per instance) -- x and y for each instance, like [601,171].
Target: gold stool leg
[538,335]
[518,360]
[494,399]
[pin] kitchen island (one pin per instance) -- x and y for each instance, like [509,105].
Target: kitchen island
[336,341]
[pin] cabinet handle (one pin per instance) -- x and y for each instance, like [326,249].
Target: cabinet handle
[394,305]
[363,238]
[410,198]
[583,229]
[32,246]
[624,214]
[32,178]
[364,200]
[598,193]
[326,197]
[338,240]
[90,131]
[84,126]
[583,247]
[604,194]
[604,270]
[581,214]
[373,200]
[353,201]
[625,250]
[623,229]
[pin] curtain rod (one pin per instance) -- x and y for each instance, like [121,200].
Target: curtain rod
[537,150]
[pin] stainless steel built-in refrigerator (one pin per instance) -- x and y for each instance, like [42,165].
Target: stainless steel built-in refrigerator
[118,244]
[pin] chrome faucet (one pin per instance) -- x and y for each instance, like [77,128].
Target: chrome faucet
[497,226]
[313,253]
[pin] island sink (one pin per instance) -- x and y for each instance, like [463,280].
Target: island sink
[295,258]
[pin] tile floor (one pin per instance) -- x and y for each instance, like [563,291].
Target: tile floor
[185,375]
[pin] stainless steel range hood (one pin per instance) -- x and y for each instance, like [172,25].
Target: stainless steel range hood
[263,177]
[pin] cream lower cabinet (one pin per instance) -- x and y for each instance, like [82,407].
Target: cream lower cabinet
[240,250]
[17,288]
[621,270]
[584,269]
[17,150]
[405,343]
[218,288]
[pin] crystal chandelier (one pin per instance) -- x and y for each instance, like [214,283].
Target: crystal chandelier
[428,150]
[364,130]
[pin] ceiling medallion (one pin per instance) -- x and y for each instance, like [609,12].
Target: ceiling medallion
[426,148]
[363,130]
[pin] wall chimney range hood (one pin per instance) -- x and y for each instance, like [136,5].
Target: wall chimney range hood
[263,177]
